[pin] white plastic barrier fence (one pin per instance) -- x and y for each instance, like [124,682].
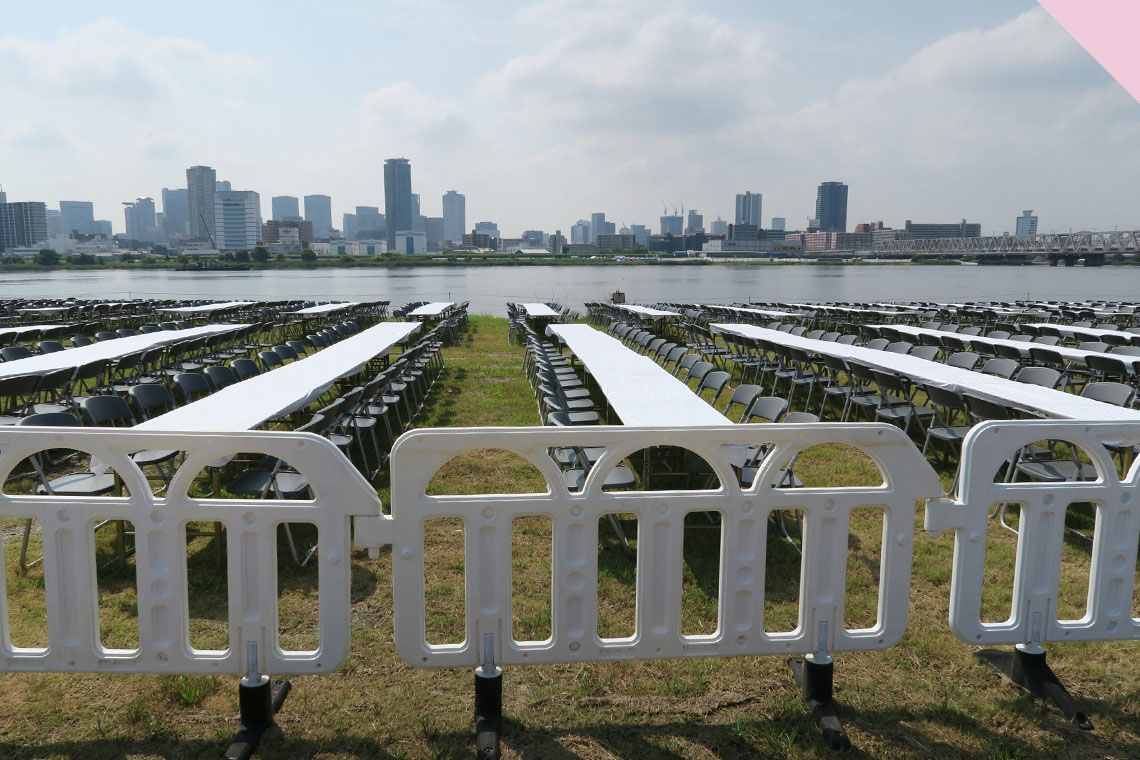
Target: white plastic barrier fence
[574,516]
[160,560]
[1041,534]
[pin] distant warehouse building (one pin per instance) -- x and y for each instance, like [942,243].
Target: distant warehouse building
[616,242]
[962,229]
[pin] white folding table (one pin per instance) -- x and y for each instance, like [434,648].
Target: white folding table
[204,310]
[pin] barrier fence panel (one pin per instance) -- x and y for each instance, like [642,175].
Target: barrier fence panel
[744,515]
[160,558]
[1041,534]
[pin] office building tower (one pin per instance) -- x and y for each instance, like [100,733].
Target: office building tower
[140,218]
[175,212]
[718,227]
[454,216]
[937,230]
[695,223]
[415,205]
[490,229]
[599,226]
[779,224]
[318,210]
[433,230]
[223,184]
[557,242]
[640,235]
[398,211]
[348,226]
[748,208]
[237,214]
[76,217]
[22,225]
[1027,223]
[671,225]
[279,230]
[831,207]
[200,186]
[580,232]
[54,224]
[285,208]
[534,238]
[370,223]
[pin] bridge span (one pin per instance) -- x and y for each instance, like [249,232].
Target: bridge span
[1058,247]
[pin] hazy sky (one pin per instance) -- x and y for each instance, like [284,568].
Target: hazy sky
[542,113]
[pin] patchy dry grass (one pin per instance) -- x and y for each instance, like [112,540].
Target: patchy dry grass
[926,697]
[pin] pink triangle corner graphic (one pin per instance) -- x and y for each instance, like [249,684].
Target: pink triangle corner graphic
[1107,30]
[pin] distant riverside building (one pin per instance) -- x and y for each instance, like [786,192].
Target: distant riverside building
[285,208]
[398,209]
[599,226]
[749,207]
[175,212]
[557,242]
[779,223]
[274,231]
[433,231]
[831,207]
[476,239]
[140,218]
[1027,223]
[54,224]
[671,225]
[580,232]
[318,210]
[615,242]
[962,229]
[411,243]
[76,217]
[237,214]
[22,224]
[201,184]
[454,216]
[534,238]
[223,185]
[718,227]
[695,222]
[488,228]
[640,235]
[370,223]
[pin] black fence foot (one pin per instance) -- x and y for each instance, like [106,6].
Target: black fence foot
[488,712]
[259,700]
[1029,671]
[815,679]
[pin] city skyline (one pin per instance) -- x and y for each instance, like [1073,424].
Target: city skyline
[590,106]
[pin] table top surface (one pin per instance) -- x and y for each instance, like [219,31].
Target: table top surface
[324,308]
[539,310]
[431,309]
[205,308]
[637,388]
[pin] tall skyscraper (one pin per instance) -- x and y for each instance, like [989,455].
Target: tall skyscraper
[779,223]
[580,232]
[671,225]
[748,208]
[175,212]
[22,224]
[718,226]
[454,216]
[695,223]
[201,184]
[237,214]
[398,209]
[140,219]
[318,210]
[599,226]
[831,207]
[640,235]
[1027,223]
[285,208]
[76,217]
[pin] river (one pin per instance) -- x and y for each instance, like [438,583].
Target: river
[489,287]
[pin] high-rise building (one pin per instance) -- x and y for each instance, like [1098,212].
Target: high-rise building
[201,183]
[696,222]
[175,212]
[936,230]
[488,228]
[718,227]
[223,185]
[1027,223]
[275,230]
[318,210]
[415,205]
[370,223]
[54,223]
[22,225]
[534,238]
[640,235]
[599,226]
[580,232]
[140,219]
[779,224]
[398,211]
[285,208]
[557,242]
[76,217]
[348,226]
[433,230]
[671,225]
[454,216]
[748,208]
[831,207]
[237,214]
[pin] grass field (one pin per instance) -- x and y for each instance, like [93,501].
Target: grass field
[926,697]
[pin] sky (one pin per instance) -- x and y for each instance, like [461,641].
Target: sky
[543,113]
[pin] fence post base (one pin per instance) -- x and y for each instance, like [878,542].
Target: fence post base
[259,700]
[814,677]
[488,712]
[1028,671]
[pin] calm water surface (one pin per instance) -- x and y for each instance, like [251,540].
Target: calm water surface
[488,288]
